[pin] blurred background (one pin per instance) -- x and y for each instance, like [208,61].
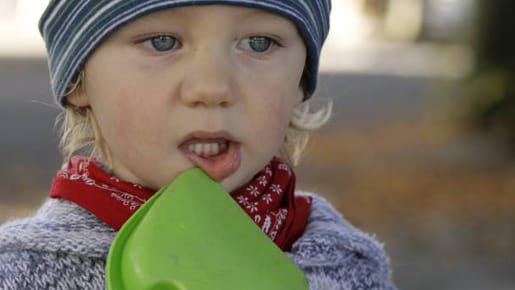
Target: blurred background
[420,151]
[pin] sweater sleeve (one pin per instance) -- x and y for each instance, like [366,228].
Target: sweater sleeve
[49,270]
[336,256]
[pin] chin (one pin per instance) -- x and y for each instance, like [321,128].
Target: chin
[235,181]
[228,185]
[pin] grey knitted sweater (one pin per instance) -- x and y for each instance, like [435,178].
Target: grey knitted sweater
[64,247]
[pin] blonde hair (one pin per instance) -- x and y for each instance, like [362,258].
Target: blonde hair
[79,131]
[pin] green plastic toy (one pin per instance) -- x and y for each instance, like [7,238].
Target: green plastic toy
[191,235]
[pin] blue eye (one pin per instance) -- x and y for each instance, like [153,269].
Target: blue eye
[161,43]
[258,44]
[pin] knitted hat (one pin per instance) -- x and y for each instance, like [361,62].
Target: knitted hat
[73,29]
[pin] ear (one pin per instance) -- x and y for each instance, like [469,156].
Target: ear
[78,98]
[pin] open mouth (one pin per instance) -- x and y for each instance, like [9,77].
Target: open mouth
[208,149]
[218,156]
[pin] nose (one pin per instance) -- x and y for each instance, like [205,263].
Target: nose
[208,79]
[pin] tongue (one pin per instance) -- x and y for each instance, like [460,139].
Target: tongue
[220,166]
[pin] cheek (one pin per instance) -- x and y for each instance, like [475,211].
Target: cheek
[128,118]
[273,99]
[270,120]
[278,97]
[281,87]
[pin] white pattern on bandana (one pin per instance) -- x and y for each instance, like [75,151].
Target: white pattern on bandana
[267,191]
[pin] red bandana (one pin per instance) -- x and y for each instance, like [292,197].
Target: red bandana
[268,199]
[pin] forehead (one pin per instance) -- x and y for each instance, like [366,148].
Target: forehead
[237,14]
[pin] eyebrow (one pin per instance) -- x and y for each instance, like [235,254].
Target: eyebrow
[260,12]
[244,15]
[152,20]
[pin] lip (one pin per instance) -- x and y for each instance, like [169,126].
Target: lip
[220,166]
[207,136]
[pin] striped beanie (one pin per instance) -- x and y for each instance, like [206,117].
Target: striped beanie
[73,29]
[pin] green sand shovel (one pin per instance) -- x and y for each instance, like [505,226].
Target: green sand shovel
[191,235]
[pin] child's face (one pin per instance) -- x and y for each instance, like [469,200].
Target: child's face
[200,74]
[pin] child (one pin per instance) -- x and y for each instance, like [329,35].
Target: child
[153,88]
